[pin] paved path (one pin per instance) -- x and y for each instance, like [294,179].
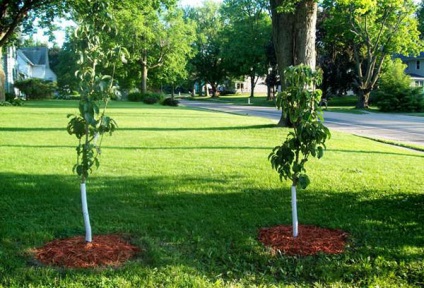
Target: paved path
[393,127]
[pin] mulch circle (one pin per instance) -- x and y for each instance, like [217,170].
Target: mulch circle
[75,252]
[311,240]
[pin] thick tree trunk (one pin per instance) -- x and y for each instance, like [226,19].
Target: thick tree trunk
[252,86]
[363,99]
[294,37]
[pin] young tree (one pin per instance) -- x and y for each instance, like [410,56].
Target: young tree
[293,28]
[300,102]
[376,30]
[96,89]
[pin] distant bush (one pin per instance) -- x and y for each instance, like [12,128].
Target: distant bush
[134,97]
[34,88]
[10,96]
[148,98]
[152,98]
[395,93]
[170,102]
[5,103]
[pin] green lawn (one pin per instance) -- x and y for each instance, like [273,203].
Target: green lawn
[191,189]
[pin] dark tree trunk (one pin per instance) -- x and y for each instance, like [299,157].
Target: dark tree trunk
[252,85]
[363,99]
[294,37]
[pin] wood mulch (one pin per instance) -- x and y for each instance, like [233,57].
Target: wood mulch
[311,240]
[75,252]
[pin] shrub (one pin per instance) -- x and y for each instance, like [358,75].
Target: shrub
[134,97]
[5,103]
[35,88]
[395,94]
[152,98]
[10,96]
[148,98]
[409,99]
[170,102]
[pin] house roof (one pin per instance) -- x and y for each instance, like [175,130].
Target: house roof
[36,55]
[410,57]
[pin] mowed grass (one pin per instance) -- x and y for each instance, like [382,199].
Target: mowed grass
[191,189]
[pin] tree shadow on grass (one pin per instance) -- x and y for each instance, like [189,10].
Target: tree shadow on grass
[210,225]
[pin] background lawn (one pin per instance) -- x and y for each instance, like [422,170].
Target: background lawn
[191,189]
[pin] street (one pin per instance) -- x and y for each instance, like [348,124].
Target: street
[384,126]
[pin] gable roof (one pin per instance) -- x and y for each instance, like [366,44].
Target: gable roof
[36,55]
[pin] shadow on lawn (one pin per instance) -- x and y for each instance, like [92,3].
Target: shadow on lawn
[214,232]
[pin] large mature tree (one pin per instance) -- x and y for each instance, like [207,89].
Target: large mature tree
[207,66]
[153,39]
[293,28]
[335,58]
[376,30]
[247,33]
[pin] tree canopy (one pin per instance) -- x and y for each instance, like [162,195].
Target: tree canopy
[375,30]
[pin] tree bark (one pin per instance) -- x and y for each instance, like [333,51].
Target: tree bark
[294,38]
[2,79]
[363,99]
[252,85]
[144,73]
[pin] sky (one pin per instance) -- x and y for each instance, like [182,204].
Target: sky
[194,3]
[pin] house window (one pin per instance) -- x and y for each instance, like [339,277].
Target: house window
[418,65]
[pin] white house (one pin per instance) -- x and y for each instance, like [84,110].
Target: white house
[415,68]
[33,62]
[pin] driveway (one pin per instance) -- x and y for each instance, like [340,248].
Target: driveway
[392,127]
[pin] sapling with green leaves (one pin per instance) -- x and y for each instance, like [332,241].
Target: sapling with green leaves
[299,102]
[96,90]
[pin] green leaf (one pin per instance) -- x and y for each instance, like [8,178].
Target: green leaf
[304,181]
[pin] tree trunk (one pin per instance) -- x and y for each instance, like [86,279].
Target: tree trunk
[172,92]
[206,90]
[2,79]
[144,74]
[363,99]
[294,211]
[86,216]
[252,85]
[294,37]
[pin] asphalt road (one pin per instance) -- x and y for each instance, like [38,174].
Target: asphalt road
[392,127]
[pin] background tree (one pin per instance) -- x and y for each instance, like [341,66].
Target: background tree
[335,58]
[207,66]
[155,37]
[377,30]
[293,28]
[420,19]
[247,33]
[21,14]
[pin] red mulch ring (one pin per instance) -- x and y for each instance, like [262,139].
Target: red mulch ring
[104,250]
[311,240]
